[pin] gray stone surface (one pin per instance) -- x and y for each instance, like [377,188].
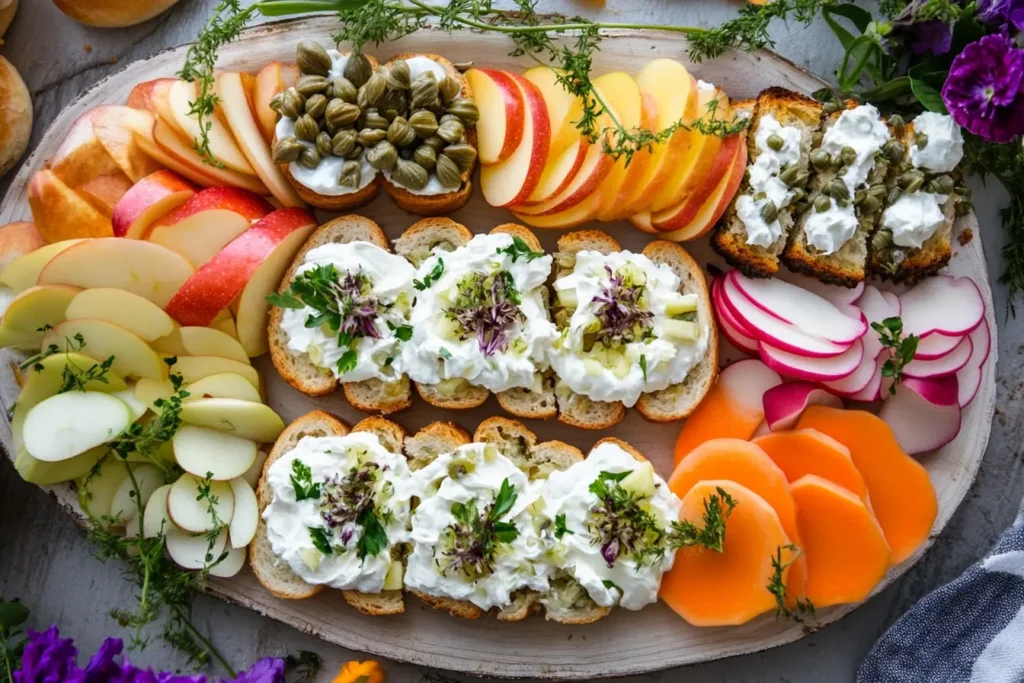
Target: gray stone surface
[45,560]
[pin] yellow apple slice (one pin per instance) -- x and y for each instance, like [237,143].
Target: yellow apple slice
[31,313]
[564,108]
[149,391]
[132,356]
[212,453]
[194,368]
[244,419]
[130,311]
[48,473]
[206,341]
[23,272]
[223,385]
[246,516]
[621,95]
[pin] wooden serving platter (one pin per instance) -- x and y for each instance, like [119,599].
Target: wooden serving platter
[626,642]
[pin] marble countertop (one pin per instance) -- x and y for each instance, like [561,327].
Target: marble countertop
[46,561]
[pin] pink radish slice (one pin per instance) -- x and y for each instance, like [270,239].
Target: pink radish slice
[809,312]
[784,403]
[840,296]
[723,310]
[761,430]
[924,414]
[969,376]
[780,334]
[873,390]
[940,367]
[943,304]
[876,308]
[812,369]
[935,346]
[728,324]
[858,380]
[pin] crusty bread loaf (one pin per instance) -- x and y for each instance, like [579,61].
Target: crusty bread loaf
[298,370]
[15,116]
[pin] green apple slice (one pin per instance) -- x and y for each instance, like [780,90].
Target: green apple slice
[137,407]
[246,516]
[123,505]
[35,471]
[210,452]
[96,489]
[71,423]
[245,419]
[193,551]
[190,513]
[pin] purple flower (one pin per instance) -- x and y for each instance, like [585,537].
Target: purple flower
[101,666]
[48,658]
[1004,12]
[934,36]
[266,670]
[983,92]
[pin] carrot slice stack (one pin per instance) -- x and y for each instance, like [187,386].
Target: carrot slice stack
[808,451]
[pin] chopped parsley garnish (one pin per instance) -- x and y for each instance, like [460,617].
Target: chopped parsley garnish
[402,332]
[487,307]
[611,585]
[621,524]
[643,366]
[433,276]
[472,540]
[519,248]
[901,349]
[320,540]
[717,509]
[620,317]
[350,499]
[348,361]
[374,538]
[302,482]
[444,353]
[560,528]
[802,609]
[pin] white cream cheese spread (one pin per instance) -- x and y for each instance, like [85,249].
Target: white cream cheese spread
[914,218]
[454,490]
[325,490]
[577,523]
[829,230]
[765,184]
[483,318]
[945,143]
[389,279]
[631,330]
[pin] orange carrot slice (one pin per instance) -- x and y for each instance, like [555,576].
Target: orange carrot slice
[845,548]
[749,466]
[733,408]
[902,497]
[708,588]
[808,451]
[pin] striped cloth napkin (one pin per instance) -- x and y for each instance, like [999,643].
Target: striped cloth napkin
[969,631]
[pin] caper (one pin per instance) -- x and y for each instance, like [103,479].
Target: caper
[316,105]
[848,155]
[830,107]
[399,76]
[921,140]
[312,58]
[801,207]
[801,179]
[962,190]
[306,128]
[373,119]
[822,204]
[894,196]
[368,137]
[894,151]
[382,156]
[394,103]
[789,175]
[356,152]
[907,178]
[375,89]
[358,69]
[323,143]
[870,205]
[859,197]
[309,158]
[449,88]
[963,208]
[464,155]
[340,113]
[897,124]
[436,142]
[342,88]
[816,138]
[798,194]
[821,159]
[878,191]
[769,212]
[842,203]
[879,170]
[361,99]
[400,133]
[425,156]
[311,85]
[775,141]
[276,101]
[881,240]
[411,175]
[343,142]
[945,184]
[837,189]
[292,104]
[447,172]
[451,131]
[286,150]
[424,89]
[758,196]
[465,108]
[423,122]
[915,184]
[435,106]
[351,174]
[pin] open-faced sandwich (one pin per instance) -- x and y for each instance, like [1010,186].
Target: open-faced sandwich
[498,523]
[349,125]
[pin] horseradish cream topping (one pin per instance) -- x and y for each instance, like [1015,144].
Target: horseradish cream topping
[778,146]
[630,330]
[944,143]
[914,218]
[340,504]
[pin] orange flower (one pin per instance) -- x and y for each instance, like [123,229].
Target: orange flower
[360,672]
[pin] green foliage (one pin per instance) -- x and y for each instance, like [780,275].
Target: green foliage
[433,276]
[711,535]
[472,540]
[12,641]
[302,482]
[520,249]
[802,610]
[901,349]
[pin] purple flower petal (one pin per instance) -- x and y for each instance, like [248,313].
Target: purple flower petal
[102,666]
[1005,13]
[933,36]
[983,92]
[48,658]
[265,670]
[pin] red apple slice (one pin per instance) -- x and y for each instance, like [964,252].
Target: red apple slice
[512,181]
[272,79]
[114,127]
[225,149]
[223,278]
[502,114]
[148,200]
[165,146]
[564,108]
[201,227]
[141,96]
[560,170]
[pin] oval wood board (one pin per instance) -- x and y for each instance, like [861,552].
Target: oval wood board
[626,642]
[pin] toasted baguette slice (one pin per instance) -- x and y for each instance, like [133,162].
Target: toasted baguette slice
[298,370]
[891,262]
[436,204]
[730,238]
[338,202]
[847,265]
[679,400]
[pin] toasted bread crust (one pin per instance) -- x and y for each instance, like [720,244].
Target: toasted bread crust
[333,202]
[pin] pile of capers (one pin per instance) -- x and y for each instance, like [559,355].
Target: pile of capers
[410,127]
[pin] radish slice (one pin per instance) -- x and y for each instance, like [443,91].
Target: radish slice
[935,346]
[813,369]
[728,324]
[809,312]
[840,296]
[876,308]
[858,380]
[943,304]
[873,390]
[940,367]
[924,414]
[969,376]
[768,328]
[784,403]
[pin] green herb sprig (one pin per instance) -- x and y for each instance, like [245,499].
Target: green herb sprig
[560,528]
[472,540]
[717,508]
[520,249]
[302,482]
[803,609]
[621,525]
[901,349]
[433,276]
[12,641]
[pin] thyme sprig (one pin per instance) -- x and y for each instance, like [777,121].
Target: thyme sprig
[802,610]
[717,508]
[901,349]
